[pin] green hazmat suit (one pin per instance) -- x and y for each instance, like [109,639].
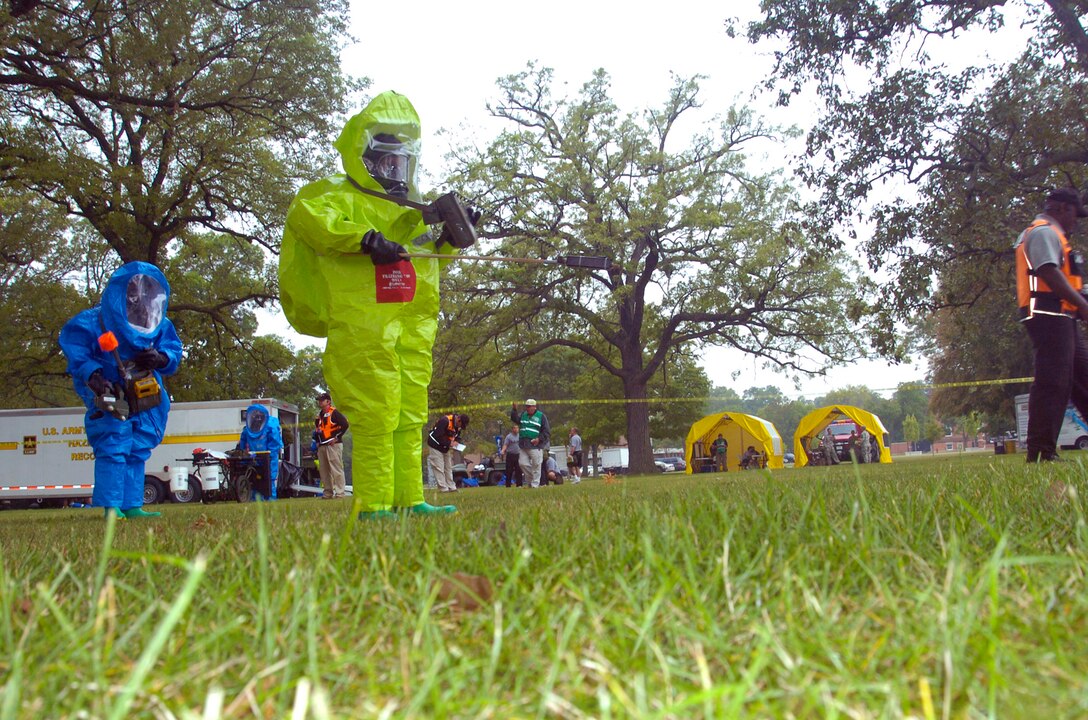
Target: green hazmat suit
[380,320]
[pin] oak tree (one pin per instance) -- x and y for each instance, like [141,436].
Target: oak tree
[705,251]
[946,165]
[172,132]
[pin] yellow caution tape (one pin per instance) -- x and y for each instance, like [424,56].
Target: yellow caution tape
[966,383]
[227,435]
[580,401]
[905,386]
[619,401]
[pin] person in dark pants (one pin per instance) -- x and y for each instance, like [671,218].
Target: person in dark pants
[510,453]
[1048,289]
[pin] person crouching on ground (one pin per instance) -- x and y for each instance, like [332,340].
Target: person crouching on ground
[551,472]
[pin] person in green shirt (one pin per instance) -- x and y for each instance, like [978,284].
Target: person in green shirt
[534,434]
[720,449]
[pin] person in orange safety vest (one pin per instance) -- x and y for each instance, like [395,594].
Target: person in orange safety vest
[331,426]
[444,434]
[1048,287]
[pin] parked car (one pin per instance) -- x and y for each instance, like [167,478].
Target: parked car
[662,466]
[787,457]
[677,463]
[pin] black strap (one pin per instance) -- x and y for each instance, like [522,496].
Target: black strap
[126,389]
[430,215]
[1049,302]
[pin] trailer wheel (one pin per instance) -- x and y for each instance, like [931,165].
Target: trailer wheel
[190,494]
[1082,442]
[244,484]
[154,491]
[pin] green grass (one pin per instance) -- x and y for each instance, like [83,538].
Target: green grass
[945,587]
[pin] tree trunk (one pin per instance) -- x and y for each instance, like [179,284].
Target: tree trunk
[640,454]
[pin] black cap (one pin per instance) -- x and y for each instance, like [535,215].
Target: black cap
[1069,196]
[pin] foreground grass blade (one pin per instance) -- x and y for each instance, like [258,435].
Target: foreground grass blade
[158,639]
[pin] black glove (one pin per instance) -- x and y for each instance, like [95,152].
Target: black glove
[448,238]
[150,359]
[98,384]
[380,250]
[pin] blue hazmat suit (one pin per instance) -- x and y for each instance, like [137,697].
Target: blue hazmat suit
[262,433]
[133,308]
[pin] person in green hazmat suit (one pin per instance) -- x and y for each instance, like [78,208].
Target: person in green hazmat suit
[342,276]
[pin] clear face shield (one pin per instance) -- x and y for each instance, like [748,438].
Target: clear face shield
[145,301]
[390,161]
[255,420]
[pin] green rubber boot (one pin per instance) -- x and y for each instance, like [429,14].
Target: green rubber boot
[425,509]
[116,513]
[376,514]
[139,512]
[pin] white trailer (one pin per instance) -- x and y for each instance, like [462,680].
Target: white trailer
[45,456]
[1074,432]
[614,459]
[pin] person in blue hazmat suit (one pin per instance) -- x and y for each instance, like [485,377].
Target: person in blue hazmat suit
[129,326]
[343,276]
[262,435]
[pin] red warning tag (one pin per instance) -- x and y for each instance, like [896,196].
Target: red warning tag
[395,282]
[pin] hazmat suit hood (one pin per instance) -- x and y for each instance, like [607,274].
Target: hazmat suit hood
[261,431]
[389,113]
[256,419]
[321,265]
[134,306]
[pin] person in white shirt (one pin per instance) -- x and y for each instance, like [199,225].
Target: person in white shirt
[574,460]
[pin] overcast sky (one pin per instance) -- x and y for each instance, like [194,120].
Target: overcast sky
[446,58]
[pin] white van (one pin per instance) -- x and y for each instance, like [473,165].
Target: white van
[1074,432]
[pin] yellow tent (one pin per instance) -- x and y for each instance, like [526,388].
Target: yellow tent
[740,431]
[815,422]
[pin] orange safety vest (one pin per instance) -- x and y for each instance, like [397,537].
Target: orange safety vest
[325,425]
[1033,295]
[451,433]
